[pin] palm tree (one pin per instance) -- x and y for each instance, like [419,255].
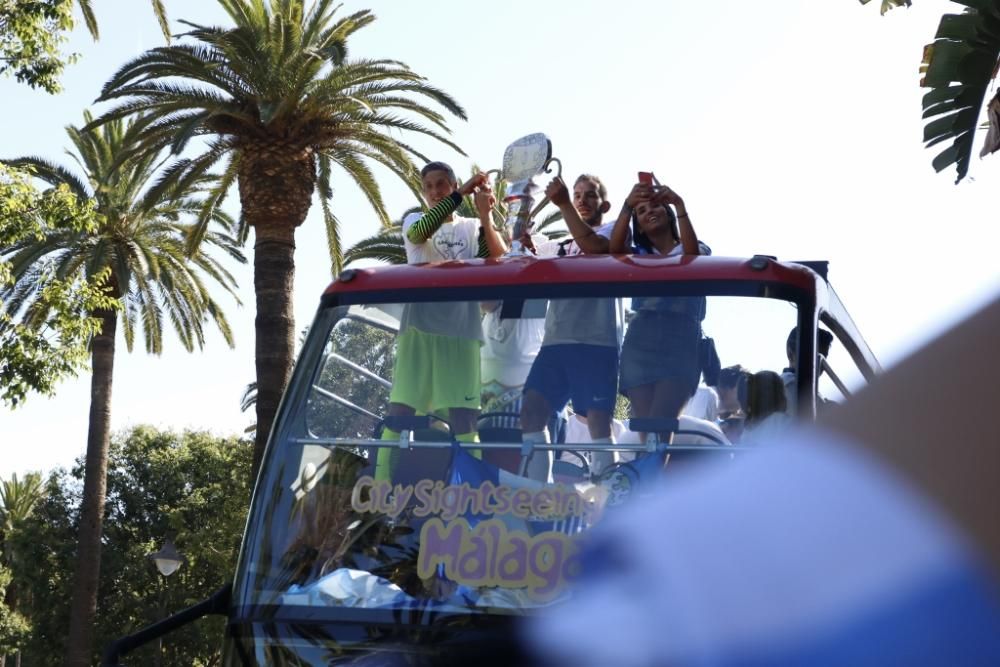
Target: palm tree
[959,67]
[141,255]
[279,105]
[386,245]
[90,19]
[18,498]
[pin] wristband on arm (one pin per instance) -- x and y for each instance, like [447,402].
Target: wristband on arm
[430,222]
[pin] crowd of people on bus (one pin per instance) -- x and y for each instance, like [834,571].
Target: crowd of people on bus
[461,358]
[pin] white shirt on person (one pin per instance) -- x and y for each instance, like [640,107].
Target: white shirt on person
[457,239]
[769,429]
[697,432]
[703,405]
[454,239]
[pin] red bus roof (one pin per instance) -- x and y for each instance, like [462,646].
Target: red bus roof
[568,270]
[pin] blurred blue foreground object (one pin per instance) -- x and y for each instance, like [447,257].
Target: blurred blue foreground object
[809,553]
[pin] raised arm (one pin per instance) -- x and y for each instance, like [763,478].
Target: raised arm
[620,234]
[430,222]
[689,239]
[589,240]
[490,243]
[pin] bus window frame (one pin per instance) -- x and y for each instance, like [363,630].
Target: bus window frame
[812,304]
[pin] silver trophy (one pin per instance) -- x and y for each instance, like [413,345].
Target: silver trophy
[524,162]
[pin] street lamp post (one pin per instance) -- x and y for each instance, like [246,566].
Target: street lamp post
[167,561]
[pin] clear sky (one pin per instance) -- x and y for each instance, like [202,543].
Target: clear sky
[791,128]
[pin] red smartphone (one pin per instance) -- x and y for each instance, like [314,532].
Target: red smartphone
[646,177]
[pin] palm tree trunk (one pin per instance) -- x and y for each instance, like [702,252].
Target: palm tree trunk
[276,181]
[274,274]
[83,608]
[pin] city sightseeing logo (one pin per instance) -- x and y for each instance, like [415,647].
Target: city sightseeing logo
[490,535]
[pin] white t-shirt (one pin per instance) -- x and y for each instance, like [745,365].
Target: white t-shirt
[458,239]
[768,430]
[583,321]
[578,431]
[790,379]
[703,405]
[686,423]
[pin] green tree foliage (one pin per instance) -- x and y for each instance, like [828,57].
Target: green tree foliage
[280,107]
[46,547]
[959,67]
[33,33]
[14,627]
[142,246]
[889,4]
[159,11]
[40,351]
[191,486]
[386,245]
[369,347]
[18,499]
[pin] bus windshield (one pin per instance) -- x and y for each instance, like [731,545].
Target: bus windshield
[399,478]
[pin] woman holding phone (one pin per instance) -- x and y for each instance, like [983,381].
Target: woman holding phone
[660,356]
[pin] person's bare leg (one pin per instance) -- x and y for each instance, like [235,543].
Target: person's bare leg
[463,420]
[535,411]
[669,398]
[641,400]
[386,457]
[599,425]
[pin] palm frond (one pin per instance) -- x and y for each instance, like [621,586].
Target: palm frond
[958,67]
[140,237]
[386,246]
[160,11]
[89,19]
[889,4]
[52,173]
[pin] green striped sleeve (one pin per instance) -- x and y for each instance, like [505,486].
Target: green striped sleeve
[430,222]
[484,250]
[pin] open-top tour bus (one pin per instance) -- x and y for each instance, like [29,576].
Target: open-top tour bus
[420,544]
